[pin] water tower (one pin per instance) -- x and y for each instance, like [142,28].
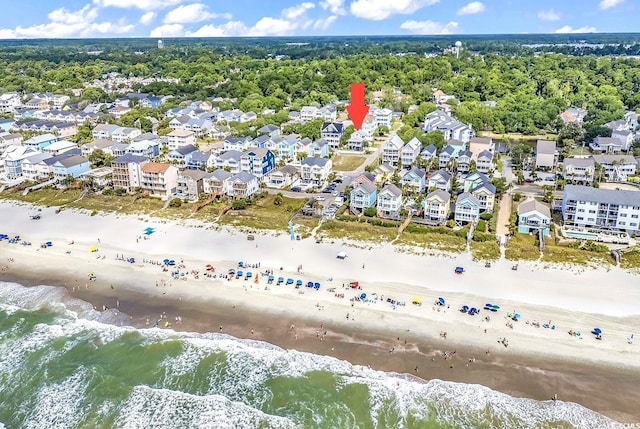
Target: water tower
[160,44]
[458,46]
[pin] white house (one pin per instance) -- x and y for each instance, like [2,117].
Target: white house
[578,170]
[217,182]
[242,185]
[546,154]
[125,134]
[617,167]
[451,128]
[332,132]
[179,138]
[9,101]
[410,152]
[314,171]
[389,202]
[440,179]
[625,137]
[392,150]
[382,117]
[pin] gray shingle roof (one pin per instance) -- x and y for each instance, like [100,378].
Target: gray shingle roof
[609,196]
[533,205]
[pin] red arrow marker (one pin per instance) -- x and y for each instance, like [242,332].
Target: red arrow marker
[357,109]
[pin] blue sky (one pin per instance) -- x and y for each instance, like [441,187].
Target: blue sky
[218,18]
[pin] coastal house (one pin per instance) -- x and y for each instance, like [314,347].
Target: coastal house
[283,176]
[242,185]
[12,159]
[59,147]
[6,124]
[477,145]
[625,137]
[199,126]
[159,179]
[450,128]
[617,168]
[182,155]
[473,180]
[410,152]
[429,152]
[257,161]
[127,171]
[391,150]
[148,148]
[332,132]
[286,147]
[236,143]
[9,101]
[573,115]
[415,179]
[119,149]
[315,171]
[485,193]
[319,148]
[179,138]
[190,184]
[533,216]
[605,145]
[356,142]
[467,209]
[152,102]
[302,147]
[464,161]
[31,166]
[546,154]
[199,160]
[102,144]
[389,202]
[72,166]
[269,130]
[363,196]
[41,141]
[125,134]
[7,139]
[436,207]
[100,177]
[593,209]
[217,182]
[440,179]
[578,170]
[484,162]
[382,117]
[447,156]
[229,161]
[103,131]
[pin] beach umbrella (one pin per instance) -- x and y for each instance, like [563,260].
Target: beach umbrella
[289,281]
[231,271]
[298,282]
[597,331]
[363,296]
[239,273]
[417,300]
[316,285]
[516,316]
[240,264]
[464,308]
[270,278]
[441,301]
[166,261]
[249,274]
[473,311]
[93,248]
[309,284]
[496,307]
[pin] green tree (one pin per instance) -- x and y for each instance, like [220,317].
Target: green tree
[99,158]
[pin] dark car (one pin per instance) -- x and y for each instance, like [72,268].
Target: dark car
[296,189]
[326,191]
[528,180]
[338,180]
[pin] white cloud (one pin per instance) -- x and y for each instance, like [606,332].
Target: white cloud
[187,14]
[471,9]
[548,15]
[378,10]
[569,29]
[168,30]
[139,4]
[334,6]
[231,28]
[323,24]
[429,27]
[269,26]
[147,18]
[295,12]
[65,23]
[608,4]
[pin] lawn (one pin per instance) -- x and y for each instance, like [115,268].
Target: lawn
[569,255]
[357,231]
[522,247]
[486,250]
[264,214]
[347,162]
[630,259]
[45,197]
[433,240]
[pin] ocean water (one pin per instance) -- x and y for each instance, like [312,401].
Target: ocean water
[64,365]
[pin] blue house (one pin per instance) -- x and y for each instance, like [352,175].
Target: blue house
[261,141]
[257,161]
[319,148]
[363,196]
[533,216]
[286,146]
[147,148]
[39,142]
[70,166]
[6,124]
[183,154]
[199,160]
[152,102]
[415,178]
[269,130]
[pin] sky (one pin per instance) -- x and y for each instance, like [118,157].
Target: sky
[26,19]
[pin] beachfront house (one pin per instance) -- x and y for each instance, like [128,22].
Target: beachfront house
[363,196]
[216,183]
[257,161]
[242,185]
[546,154]
[485,193]
[179,138]
[159,179]
[229,161]
[315,171]
[127,171]
[31,166]
[467,209]
[617,168]
[391,150]
[578,171]
[436,207]
[389,202]
[72,166]
[12,159]
[332,132]
[282,177]
[440,179]
[100,177]
[414,179]
[190,184]
[356,142]
[595,209]
[410,152]
[533,216]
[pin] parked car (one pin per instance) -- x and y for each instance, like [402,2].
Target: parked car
[296,189]
[338,180]
[320,198]
[528,180]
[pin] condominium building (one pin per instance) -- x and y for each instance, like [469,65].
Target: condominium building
[595,209]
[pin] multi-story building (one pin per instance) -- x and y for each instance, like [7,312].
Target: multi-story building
[451,128]
[436,207]
[178,138]
[332,132]
[159,179]
[617,167]
[314,171]
[392,150]
[191,184]
[389,202]
[578,170]
[127,171]
[595,209]
[410,152]
[257,161]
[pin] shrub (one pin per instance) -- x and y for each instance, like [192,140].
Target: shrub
[239,205]
[517,197]
[95,212]
[176,202]
[482,226]
[370,211]
[451,223]
[486,216]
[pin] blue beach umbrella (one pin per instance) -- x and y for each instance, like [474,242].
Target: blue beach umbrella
[441,301]
[249,274]
[597,331]
[289,281]
[363,296]
[316,285]
[239,273]
[280,279]
[309,284]
[298,282]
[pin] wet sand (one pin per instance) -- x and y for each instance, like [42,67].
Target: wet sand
[609,390]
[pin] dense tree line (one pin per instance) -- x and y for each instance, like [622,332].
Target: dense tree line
[529,90]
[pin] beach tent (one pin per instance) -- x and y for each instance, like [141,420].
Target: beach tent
[363,296]
[417,300]
[473,311]
[148,230]
[341,255]
[464,308]
[93,248]
[459,270]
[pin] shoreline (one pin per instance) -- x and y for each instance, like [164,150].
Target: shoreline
[537,364]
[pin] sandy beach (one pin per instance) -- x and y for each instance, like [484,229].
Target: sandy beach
[538,362]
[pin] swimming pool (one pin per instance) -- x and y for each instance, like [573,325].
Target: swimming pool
[582,235]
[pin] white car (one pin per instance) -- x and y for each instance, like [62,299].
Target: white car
[319,198]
